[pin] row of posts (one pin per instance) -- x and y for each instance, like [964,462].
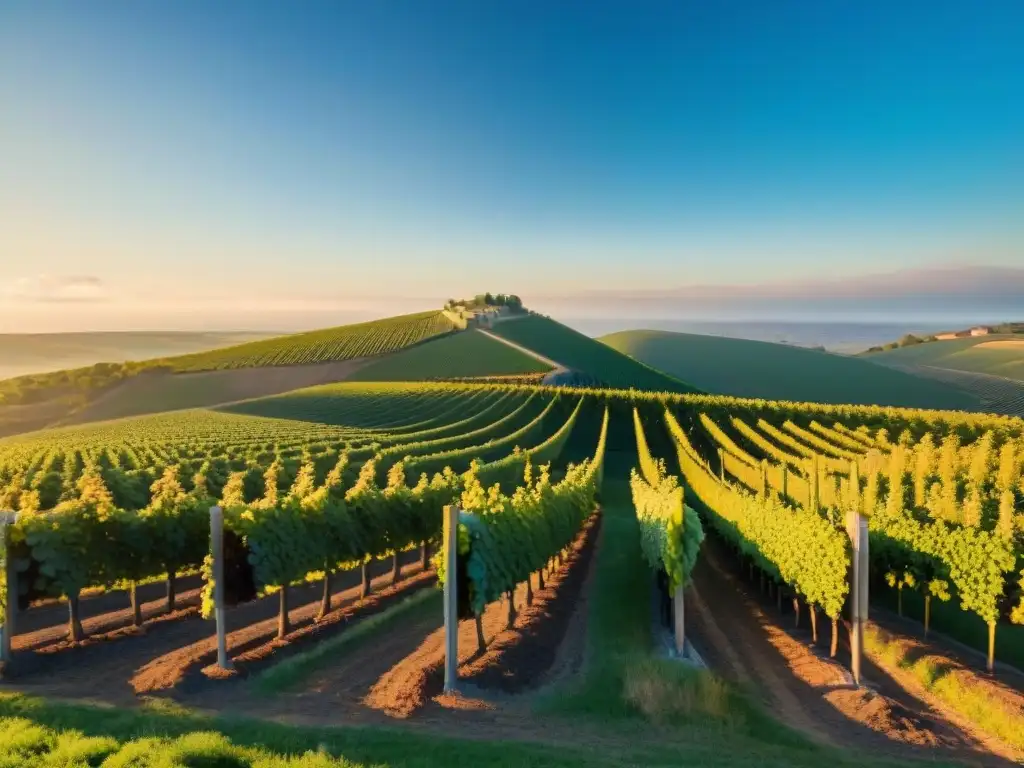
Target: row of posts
[856,524]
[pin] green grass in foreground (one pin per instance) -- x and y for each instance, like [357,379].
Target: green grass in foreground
[34,732]
[296,669]
[970,702]
[760,369]
[467,354]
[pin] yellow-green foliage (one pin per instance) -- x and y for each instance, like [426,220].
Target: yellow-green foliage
[796,546]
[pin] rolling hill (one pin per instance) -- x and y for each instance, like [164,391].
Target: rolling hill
[345,342]
[270,366]
[583,355]
[1001,355]
[27,353]
[776,371]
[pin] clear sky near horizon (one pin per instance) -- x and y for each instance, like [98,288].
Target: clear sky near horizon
[197,164]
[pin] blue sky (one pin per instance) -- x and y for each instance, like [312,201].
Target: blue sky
[191,158]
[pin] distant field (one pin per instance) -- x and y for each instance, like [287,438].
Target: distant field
[993,355]
[582,353]
[25,353]
[327,345]
[781,372]
[463,355]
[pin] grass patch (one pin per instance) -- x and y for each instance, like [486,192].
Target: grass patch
[34,732]
[290,672]
[970,701]
[622,680]
[665,691]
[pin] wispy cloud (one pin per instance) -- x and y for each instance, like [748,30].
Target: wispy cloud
[58,289]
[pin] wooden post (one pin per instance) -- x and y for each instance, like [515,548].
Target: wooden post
[857,527]
[217,549]
[855,501]
[11,575]
[679,620]
[451,605]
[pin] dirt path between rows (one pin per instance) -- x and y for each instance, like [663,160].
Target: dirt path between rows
[172,652]
[741,636]
[397,677]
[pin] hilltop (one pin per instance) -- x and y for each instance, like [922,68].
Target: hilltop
[762,369]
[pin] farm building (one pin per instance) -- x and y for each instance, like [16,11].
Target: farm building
[981,330]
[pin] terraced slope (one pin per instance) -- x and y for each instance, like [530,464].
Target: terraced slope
[584,355]
[345,342]
[759,369]
[461,355]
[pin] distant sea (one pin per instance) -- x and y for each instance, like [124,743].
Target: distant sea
[842,337]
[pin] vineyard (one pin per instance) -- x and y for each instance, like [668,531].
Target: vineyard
[463,355]
[332,502]
[327,345]
[997,394]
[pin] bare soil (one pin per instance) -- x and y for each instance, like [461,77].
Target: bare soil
[399,675]
[170,651]
[742,636]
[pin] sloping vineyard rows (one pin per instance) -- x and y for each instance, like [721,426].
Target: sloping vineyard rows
[944,491]
[792,545]
[506,472]
[508,414]
[328,345]
[503,539]
[290,514]
[491,450]
[943,519]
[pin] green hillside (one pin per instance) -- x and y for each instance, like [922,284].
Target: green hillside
[35,401]
[1001,355]
[583,354]
[461,355]
[26,353]
[326,345]
[779,372]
